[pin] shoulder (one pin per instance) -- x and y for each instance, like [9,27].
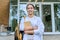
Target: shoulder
[38,18]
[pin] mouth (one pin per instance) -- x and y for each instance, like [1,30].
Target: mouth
[30,11]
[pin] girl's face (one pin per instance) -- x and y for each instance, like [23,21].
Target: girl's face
[30,9]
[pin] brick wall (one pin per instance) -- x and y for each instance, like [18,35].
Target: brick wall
[4,12]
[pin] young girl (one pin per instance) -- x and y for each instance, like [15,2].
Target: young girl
[35,31]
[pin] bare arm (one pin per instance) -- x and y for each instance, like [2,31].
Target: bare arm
[30,30]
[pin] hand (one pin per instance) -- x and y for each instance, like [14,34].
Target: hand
[26,32]
[28,28]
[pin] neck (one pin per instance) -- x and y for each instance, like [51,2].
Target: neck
[31,15]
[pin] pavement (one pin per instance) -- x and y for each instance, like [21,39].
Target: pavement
[7,37]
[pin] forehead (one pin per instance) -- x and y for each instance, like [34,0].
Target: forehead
[29,6]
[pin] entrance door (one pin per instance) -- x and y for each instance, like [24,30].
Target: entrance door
[46,17]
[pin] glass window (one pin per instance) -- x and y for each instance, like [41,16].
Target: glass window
[14,10]
[13,17]
[36,11]
[46,17]
[46,14]
[57,17]
[13,2]
[22,10]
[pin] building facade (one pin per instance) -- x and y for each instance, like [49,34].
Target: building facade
[48,10]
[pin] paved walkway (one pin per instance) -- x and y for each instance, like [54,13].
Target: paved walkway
[9,37]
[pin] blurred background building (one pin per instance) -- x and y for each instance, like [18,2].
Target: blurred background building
[48,10]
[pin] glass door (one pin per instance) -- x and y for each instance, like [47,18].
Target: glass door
[57,17]
[13,14]
[46,17]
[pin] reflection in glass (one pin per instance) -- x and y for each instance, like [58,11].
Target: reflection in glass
[47,17]
[13,2]
[22,10]
[13,17]
[36,11]
[14,24]
[22,14]
[14,10]
[57,17]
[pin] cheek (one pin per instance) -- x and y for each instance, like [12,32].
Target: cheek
[32,10]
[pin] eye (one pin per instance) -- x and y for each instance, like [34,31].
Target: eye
[31,8]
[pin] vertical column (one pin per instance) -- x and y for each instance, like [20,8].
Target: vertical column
[40,10]
[52,17]
[18,13]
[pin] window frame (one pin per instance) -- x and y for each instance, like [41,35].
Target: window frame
[40,8]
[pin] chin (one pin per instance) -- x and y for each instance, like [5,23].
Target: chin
[30,13]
